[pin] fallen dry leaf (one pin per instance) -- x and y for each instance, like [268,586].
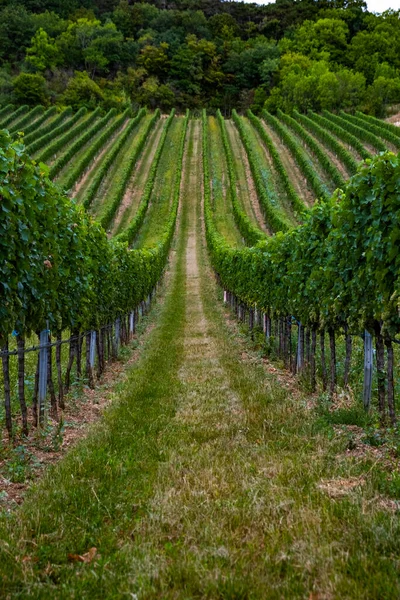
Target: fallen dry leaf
[85,558]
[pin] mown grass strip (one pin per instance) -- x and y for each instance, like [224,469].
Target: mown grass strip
[251,232]
[341,133]
[326,138]
[296,202]
[357,131]
[87,135]
[330,169]
[113,201]
[305,164]
[37,139]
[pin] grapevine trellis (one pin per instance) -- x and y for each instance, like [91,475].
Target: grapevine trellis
[101,346]
[334,275]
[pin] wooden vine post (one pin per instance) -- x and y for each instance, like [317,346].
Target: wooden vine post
[368,366]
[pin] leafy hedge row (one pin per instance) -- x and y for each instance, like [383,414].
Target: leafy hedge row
[26,119]
[34,140]
[6,110]
[22,110]
[133,229]
[359,132]
[323,159]
[34,126]
[249,231]
[379,131]
[111,155]
[341,133]
[53,135]
[50,150]
[355,234]
[269,201]
[87,135]
[305,164]
[382,124]
[78,167]
[296,202]
[123,175]
[57,265]
[326,138]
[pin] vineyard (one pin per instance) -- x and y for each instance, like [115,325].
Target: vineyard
[299,215]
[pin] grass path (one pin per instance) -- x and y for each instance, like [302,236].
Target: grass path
[207,478]
[220,194]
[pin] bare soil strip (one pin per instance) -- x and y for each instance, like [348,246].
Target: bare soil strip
[245,185]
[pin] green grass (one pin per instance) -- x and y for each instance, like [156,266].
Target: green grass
[220,196]
[270,177]
[208,477]
[161,197]
[100,201]
[139,178]
[94,497]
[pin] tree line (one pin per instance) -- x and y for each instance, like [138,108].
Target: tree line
[307,54]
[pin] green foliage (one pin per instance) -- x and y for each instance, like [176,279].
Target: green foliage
[86,136]
[110,157]
[36,139]
[251,233]
[341,133]
[315,148]
[30,89]
[79,166]
[393,129]
[328,139]
[267,195]
[295,273]
[71,275]
[13,116]
[80,124]
[378,130]
[359,132]
[297,203]
[82,91]
[124,175]
[301,157]
[43,53]
[27,119]
[36,124]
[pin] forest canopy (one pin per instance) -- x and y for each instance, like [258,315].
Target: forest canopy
[293,54]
